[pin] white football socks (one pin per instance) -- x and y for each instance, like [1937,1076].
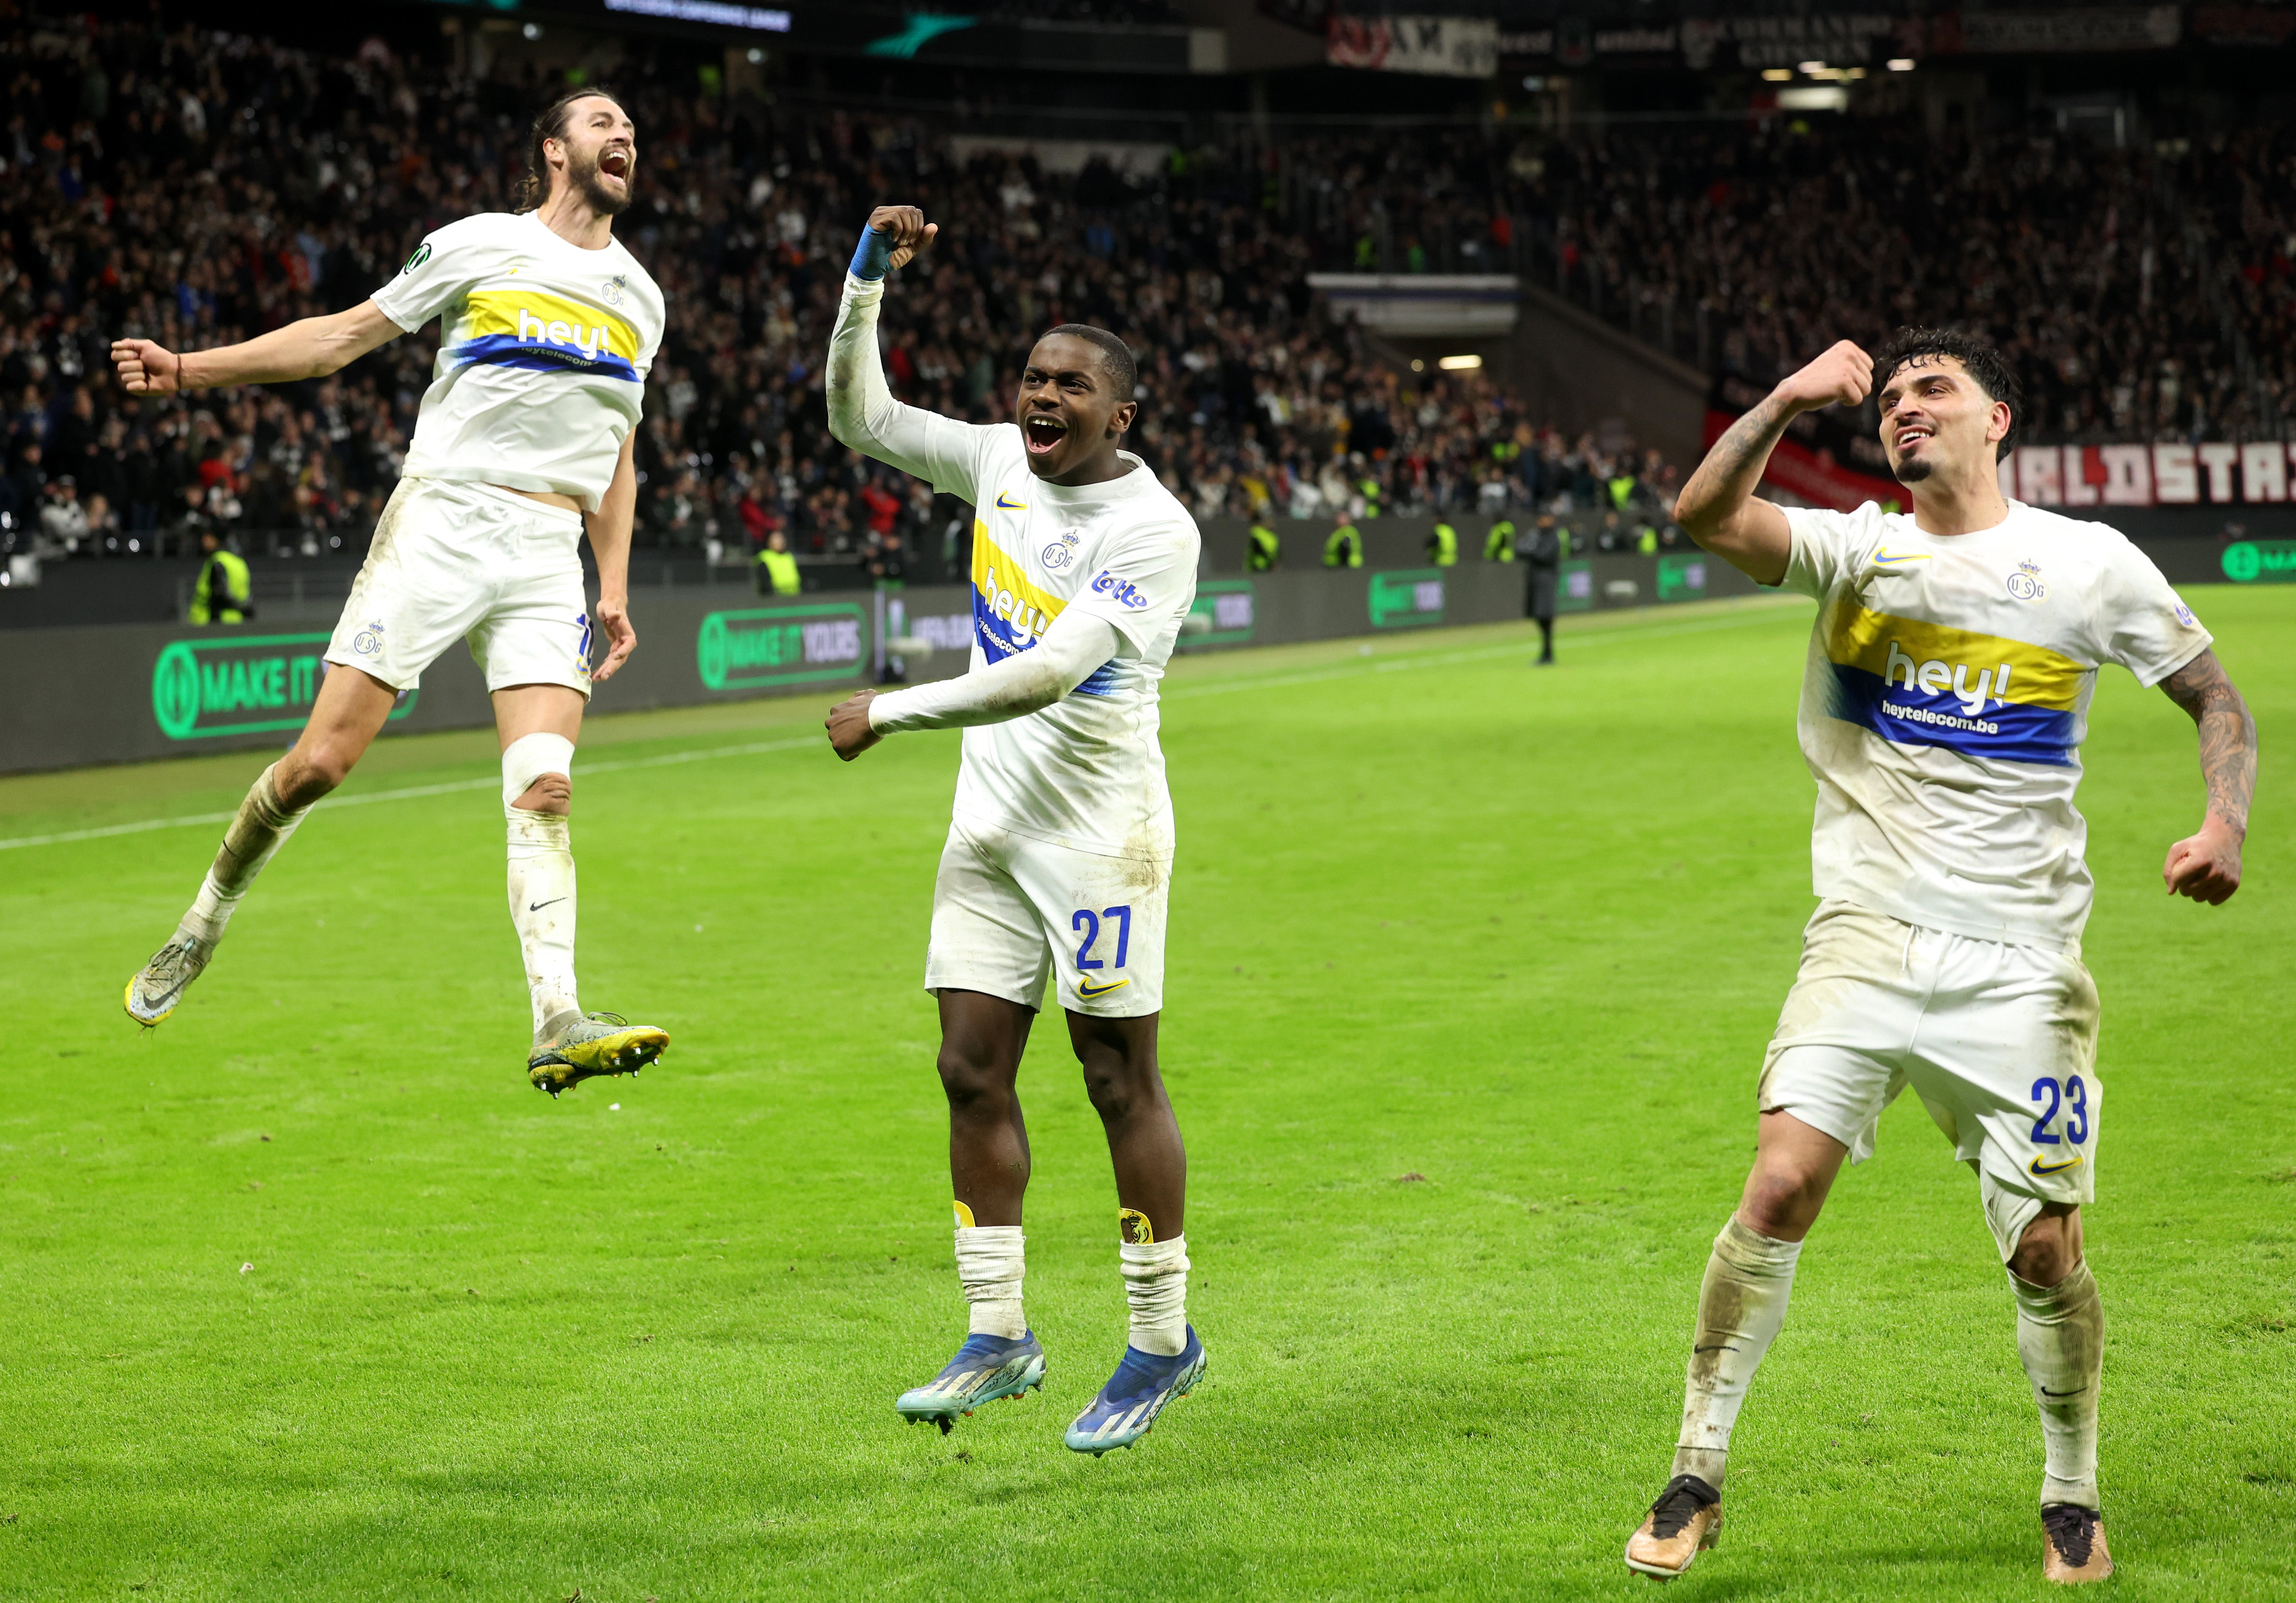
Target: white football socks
[2061,1338]
[542,908]
[1156,1285]
[259,828]
[988,1264]
[1741,1304]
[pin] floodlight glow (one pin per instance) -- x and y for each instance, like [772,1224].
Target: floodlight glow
[1455,364]
[1901,64]
[1777,75]
[1813,68]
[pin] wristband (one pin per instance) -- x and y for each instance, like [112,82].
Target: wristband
[873,257]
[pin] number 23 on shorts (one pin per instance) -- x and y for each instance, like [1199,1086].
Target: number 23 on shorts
[1089,924]
[2073,1100]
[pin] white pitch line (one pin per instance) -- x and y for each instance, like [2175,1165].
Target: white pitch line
[409,792]
[1353,670]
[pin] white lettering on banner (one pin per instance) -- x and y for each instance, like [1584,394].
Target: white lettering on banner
[2264,471]
[2127,475]
[951,632]
[2038,482]
[2218,459]
[2079,490]
[1448,47]
[2176,476]
[1427,596]
[834,640]
[1232,609]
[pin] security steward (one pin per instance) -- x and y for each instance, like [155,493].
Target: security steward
[1265,552]
[224,594]
[776,569]
[1443,545]
[1344,547]
[1498,546]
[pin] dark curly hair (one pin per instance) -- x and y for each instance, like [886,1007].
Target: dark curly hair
[1978,354]
[1115,356]
[534,185]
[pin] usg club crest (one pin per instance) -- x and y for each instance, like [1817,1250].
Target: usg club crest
[368,642]
[614,288]
[1059,554]
[2025,584]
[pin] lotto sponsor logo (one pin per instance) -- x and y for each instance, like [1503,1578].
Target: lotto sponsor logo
[1123,592]
[780,645]
[254,684]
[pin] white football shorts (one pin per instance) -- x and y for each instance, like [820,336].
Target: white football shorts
[469,562]
[1009,908]
[1998,1040]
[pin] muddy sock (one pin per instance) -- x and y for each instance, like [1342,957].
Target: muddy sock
[1741,1304]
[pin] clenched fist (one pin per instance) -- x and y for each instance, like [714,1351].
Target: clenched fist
[1841,376]
[906,229]
[147,367]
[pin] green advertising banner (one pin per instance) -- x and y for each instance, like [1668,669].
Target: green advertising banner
[1222,615]
[2261,562]
[1681,577]
[245,685]
[1401,600]
[765,646]
[1574,587]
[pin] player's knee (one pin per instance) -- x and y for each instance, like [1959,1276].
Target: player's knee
[1118,1087]
[974,1080]
[2049,1250]
[309,772]
[550,793]
[1781,1202]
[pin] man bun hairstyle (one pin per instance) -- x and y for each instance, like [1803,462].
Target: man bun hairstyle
[1116,356]
[1978,354]
[533,186]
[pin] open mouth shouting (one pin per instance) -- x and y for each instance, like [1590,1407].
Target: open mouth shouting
[615,163]
[1043,432]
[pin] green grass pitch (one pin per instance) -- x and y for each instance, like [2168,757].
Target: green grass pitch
[308,1296]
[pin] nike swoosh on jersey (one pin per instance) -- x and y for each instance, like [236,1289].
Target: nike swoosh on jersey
[1011,505]
[2038,1167]
[1084,987]
[1882,558]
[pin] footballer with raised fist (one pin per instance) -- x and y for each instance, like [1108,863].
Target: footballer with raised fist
[1943,707]
[521,447]
[1059,859]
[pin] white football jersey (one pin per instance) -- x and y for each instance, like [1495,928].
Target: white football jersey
[543,354]
[1945,702]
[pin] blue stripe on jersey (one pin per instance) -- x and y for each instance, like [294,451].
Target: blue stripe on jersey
[1100,681]
[2008,731]
[507,350]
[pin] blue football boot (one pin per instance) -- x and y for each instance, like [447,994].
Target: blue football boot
[985,1368]
[1129,1404]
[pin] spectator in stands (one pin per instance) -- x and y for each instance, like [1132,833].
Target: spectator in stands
[64,521]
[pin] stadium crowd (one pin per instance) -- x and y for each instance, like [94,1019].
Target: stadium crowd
[198,188]
[2142,292]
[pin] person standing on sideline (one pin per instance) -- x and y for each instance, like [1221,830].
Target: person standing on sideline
[1499,542]
[1343,547]
[1443,545]
[1541,551]
[224,593]
[1265,554]
[1059,859]
[777,572]
[1943,707]
[522,444]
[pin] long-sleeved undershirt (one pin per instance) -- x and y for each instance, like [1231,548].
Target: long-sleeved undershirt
[864,414]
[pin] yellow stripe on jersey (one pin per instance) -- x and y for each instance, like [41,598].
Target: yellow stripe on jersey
[532,316]
[1008,610]
[1900,648]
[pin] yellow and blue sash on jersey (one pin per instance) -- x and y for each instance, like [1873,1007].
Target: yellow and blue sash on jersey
[1011,613]
[1921,683]
[542,332]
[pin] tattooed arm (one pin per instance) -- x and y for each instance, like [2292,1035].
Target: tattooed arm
[1719,508]
[2206,866]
